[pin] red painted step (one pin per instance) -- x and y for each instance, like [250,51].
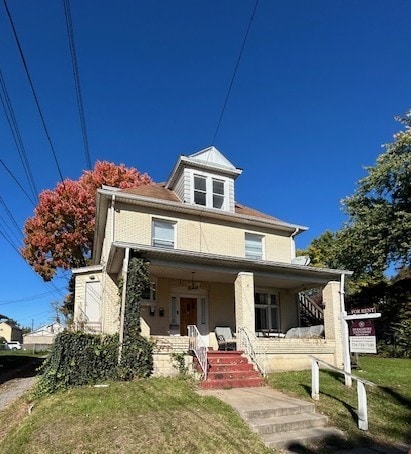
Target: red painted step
[234,383]
[229,369]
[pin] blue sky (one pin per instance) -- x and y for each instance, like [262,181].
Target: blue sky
[313,101]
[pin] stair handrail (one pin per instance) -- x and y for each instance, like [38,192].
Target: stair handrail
[361,392]
[311,306]
[253,349]
[198,347]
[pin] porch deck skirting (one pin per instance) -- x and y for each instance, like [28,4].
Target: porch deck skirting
[282,354]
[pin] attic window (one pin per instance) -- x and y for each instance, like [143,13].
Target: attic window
[200,190]
[209,192]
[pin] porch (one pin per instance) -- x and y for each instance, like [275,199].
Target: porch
[205,290]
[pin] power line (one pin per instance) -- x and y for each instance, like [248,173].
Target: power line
[11,119]
[10,215]
[76,76]
[32,89]
[27,298]
[16,181]
[234,73]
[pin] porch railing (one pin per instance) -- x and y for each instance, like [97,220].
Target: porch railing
[361,392]
[83,323]
[310,308]
[198,347]
[253,349]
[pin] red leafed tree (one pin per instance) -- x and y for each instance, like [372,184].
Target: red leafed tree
[60,234]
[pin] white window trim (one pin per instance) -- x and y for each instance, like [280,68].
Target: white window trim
[269,305]
[166,221]
[209,189]
[262,246]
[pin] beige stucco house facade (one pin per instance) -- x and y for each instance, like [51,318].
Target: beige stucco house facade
[10,331]
[212,262]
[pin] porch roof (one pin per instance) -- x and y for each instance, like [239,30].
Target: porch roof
[179,264]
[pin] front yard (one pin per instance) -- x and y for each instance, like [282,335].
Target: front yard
[160,415]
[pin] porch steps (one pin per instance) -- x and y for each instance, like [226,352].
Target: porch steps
[282,422]
[230,370]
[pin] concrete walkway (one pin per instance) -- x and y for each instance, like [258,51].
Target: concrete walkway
[287,424]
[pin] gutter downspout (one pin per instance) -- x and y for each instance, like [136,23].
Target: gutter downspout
[113,201]
[292,249]
[124,273]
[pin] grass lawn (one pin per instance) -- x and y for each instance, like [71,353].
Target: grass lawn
[155,415]
[163,415]
[389,403]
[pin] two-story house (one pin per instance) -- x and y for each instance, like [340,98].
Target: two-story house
[212,262]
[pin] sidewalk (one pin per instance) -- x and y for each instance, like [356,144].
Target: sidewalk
[291,425]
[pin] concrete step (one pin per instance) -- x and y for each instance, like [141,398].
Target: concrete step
[287,423]
[232,383]
[280,410]
[302,437]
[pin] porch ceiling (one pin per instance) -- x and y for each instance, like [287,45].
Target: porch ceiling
[179,265]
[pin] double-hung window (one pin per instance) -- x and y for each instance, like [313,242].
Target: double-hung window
[253,246]
[267,312]
[163,234]
[209,191]
[200,190]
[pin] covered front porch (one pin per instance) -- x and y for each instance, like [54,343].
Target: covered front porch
[260,297]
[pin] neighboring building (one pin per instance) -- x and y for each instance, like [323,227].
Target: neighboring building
[10,331]
[42,337]
[212,262]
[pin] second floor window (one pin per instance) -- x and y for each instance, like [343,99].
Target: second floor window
[253,246]
[163,234]
[209,192]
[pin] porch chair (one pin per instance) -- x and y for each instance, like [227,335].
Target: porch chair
[225,338]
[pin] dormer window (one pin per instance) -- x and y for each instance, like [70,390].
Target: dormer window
[209,191]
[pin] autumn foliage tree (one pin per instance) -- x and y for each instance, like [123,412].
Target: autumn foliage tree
[60,234]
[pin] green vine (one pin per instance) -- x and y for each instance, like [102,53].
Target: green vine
[136,352]
[179,362]
[78,359]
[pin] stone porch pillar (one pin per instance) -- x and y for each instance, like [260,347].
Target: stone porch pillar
[332,319]
[244,301]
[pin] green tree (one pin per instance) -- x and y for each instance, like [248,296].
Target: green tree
[378,232]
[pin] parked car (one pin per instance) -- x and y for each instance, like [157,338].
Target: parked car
[13,345]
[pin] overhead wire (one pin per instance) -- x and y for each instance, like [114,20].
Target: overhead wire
[234,73]
[11,119]
[33,90]
[73,54]
[16,181]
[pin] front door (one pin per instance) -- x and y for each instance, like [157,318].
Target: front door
[188,314]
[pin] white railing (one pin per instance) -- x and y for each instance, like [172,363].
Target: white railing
[361,393]
[253,349]
[198,347]
[311,307]
[83,323]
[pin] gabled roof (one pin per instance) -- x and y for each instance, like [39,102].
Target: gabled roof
[208,159]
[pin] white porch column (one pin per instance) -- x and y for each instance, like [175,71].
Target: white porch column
[244,301]
[332,319]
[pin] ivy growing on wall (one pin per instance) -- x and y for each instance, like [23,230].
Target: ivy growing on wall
[78,359]
[136,352]
[82,359]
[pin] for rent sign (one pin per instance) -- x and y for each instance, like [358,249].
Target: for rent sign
[362,336]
